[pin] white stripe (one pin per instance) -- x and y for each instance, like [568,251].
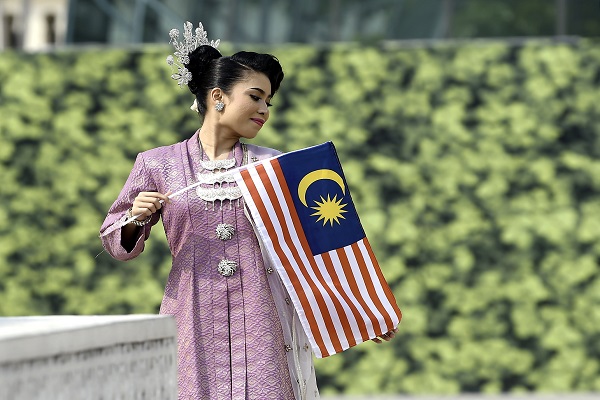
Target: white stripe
[306,262]
[378,288]
[362,287]
[348,312]
[268,243]
[346,286]
[285,248]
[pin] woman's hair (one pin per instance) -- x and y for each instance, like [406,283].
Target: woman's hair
[211,70]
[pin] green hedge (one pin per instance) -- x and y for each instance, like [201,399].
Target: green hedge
[475,168]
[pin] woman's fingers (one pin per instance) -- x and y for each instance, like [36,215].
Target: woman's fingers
[147,203]
[386,336]
[145,207]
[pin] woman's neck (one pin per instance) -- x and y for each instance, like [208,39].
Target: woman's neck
[216,144]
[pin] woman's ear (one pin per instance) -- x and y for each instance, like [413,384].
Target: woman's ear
[216,95]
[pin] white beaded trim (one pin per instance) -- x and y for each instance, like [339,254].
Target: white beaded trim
[220,194]
[218,164]
[211,179]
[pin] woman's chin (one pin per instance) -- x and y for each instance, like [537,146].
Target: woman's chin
[249,135]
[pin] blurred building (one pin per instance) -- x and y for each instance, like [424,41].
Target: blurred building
[32,24]
[40,24]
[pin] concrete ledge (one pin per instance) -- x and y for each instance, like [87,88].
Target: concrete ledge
[91,357]
[34,337]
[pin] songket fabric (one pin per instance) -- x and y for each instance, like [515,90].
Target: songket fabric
[238,335]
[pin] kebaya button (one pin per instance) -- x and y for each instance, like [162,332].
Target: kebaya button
[227,267]
[225,231]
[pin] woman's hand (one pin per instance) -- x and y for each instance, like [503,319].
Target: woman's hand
[147,203]
[386,336]
[144,205]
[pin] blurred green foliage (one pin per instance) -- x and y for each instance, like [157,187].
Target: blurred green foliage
[475,169]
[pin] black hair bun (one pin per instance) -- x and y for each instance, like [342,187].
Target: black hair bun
[200,63]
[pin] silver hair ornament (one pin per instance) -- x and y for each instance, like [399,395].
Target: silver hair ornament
[191,41]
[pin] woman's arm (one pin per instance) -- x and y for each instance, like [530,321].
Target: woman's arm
[125,242]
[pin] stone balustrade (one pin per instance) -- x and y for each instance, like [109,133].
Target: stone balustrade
[88,357]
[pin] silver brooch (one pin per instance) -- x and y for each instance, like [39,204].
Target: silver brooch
[225,231]
[227,267]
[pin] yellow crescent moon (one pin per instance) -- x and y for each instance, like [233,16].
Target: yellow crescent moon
[314,176]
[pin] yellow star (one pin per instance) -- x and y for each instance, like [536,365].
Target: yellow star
[329,210]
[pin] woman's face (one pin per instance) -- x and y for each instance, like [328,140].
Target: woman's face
[246,107]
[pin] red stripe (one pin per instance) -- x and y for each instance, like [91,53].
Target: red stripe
[364,277]
[259,204]
[337,304]
[386,288]
[306,249]
[264,177]
[355,313]
[349,274]
[369,284]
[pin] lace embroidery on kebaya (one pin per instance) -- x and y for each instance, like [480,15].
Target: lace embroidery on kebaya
[218,164]
[222,185]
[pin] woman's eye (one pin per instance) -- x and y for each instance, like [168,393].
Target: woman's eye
[256,98]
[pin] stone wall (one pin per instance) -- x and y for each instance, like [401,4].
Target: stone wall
[88,357]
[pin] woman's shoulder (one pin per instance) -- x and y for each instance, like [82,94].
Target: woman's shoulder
[262,152]
[162,158]
[164,153]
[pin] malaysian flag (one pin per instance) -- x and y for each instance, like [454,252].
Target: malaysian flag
[304,214]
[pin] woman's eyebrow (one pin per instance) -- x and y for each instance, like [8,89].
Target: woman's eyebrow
[261,91]
[258,89]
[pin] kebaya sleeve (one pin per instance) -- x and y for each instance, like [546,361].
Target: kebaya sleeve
[110,233]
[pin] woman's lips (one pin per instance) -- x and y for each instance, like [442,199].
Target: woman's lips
[258,121]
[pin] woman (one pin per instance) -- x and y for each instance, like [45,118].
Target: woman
[233,342]
[238,334]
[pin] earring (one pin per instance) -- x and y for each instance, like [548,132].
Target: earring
[219,106]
